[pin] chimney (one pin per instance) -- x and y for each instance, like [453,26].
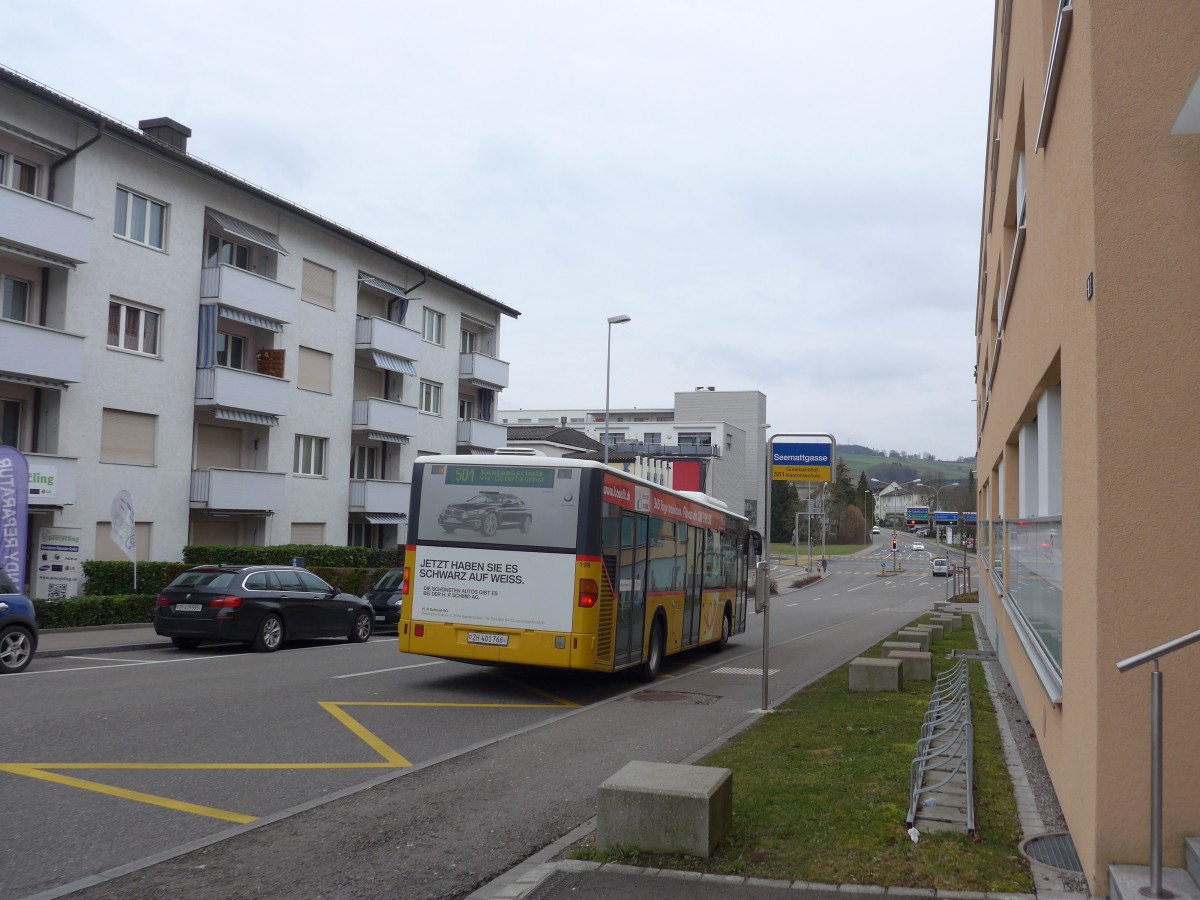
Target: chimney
[168,131]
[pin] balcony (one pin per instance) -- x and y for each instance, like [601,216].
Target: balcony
[482,435]
[371,496]
[239,289]
[483,371]
[237,489]
[45,228]
[385,417]
[237,389]
[51,480]
[387,337]
[43,354]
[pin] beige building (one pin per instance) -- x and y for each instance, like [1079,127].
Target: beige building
[1088,386]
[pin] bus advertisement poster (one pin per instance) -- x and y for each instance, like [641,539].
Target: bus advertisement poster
[496,588]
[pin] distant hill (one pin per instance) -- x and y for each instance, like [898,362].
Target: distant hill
[902,468]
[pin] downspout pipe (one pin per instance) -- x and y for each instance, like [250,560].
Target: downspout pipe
[73,153]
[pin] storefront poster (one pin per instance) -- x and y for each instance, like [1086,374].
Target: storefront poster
[58,571]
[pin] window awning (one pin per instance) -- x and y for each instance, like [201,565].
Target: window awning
[45,259]
[34,382]
[240,415]
[380,285]
[385,518]
[245,230]
[238,315]
[480,383]
[387,437]
[393,363]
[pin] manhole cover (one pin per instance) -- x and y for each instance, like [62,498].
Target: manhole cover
[673,697]
[1054,850]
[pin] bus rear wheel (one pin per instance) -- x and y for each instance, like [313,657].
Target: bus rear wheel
[654,653]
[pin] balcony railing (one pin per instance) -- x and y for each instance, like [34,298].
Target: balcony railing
[386,416]
[237,489]
[238,389]
[482,435]
[42,353]
[45,227]
[665,449]
[231,286]
[375,333]
[373,496]
[51,479]
[483,371]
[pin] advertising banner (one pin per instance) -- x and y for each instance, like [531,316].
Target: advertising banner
[58,572]
[124,531]
[14,514]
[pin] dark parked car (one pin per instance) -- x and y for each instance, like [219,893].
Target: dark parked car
[386,597]
[18,628]
[487,512]
[261,605]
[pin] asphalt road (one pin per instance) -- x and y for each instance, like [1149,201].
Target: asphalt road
[352,770]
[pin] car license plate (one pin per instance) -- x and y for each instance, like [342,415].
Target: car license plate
[188,607]
[481,637]
[380,618]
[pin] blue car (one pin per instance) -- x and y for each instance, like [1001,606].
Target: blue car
[18,628]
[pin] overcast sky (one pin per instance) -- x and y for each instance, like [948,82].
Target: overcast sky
[785,195]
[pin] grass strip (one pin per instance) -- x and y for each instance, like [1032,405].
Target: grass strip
[820,793]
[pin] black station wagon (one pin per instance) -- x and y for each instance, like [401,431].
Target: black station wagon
[487,512]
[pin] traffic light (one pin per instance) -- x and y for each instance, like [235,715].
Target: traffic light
[893,544]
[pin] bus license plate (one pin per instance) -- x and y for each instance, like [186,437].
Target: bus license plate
[479,637]
[188,607]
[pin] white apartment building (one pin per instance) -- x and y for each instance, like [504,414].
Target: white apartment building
[728,427]
[249,372]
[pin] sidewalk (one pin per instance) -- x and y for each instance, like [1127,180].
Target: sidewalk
[70,641]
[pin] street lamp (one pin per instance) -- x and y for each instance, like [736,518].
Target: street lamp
[898,484]
[612,320]
[866,533]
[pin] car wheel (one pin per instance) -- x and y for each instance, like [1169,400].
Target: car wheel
[186,643]
[448,529]
[726,630]
[525,522]
[270,634]
[16,649]
[654,653]
[489,525]
[362,628]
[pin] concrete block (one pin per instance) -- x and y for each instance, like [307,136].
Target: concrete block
[914,664]
[665,808]
[871,675]
[948,623]
[935,631]
[922,637]
[898,645]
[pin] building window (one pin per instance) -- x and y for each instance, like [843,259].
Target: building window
[10,423]
[310,455]
[695,439]
[127,437]
[132,328]
[308,533]
[106,548]
[316,371]
[431,398]
[140,219]
[16,299]
[468,342]
[652,437]
[466,409]
[364,462]
[317,284]
[231,350]
[18,174]
[432,327]
[231,253]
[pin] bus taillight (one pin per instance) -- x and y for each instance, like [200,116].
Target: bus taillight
[404,583]
[589,593]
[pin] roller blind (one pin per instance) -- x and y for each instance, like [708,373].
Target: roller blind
[308,532]
[317,286]
[107,549]
[315,368]
[127,437]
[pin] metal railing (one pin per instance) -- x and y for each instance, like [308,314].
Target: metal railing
[946,744]
[1156,735]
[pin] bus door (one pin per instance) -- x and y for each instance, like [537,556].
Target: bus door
[631,588]
[693,586]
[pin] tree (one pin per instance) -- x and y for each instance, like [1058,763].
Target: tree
[851,525]
[784,506]
[866,500]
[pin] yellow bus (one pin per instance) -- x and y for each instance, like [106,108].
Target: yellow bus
[571,564]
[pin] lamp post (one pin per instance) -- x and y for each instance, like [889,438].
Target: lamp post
[898,484]
[612,320]
[866,531]
[936,493]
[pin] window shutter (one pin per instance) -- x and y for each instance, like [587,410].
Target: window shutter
[315,370]
[308,532]
[127,437]
[317,286]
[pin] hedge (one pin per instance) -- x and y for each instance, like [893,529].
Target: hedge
[78,612]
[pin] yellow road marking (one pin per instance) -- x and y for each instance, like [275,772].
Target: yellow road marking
[151,799]
[558,700]
[390,755]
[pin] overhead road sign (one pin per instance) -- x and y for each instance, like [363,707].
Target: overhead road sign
[945,518]
[917,515]
[803,457]
[969,518]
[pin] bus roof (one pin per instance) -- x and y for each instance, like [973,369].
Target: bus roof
[556,462]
